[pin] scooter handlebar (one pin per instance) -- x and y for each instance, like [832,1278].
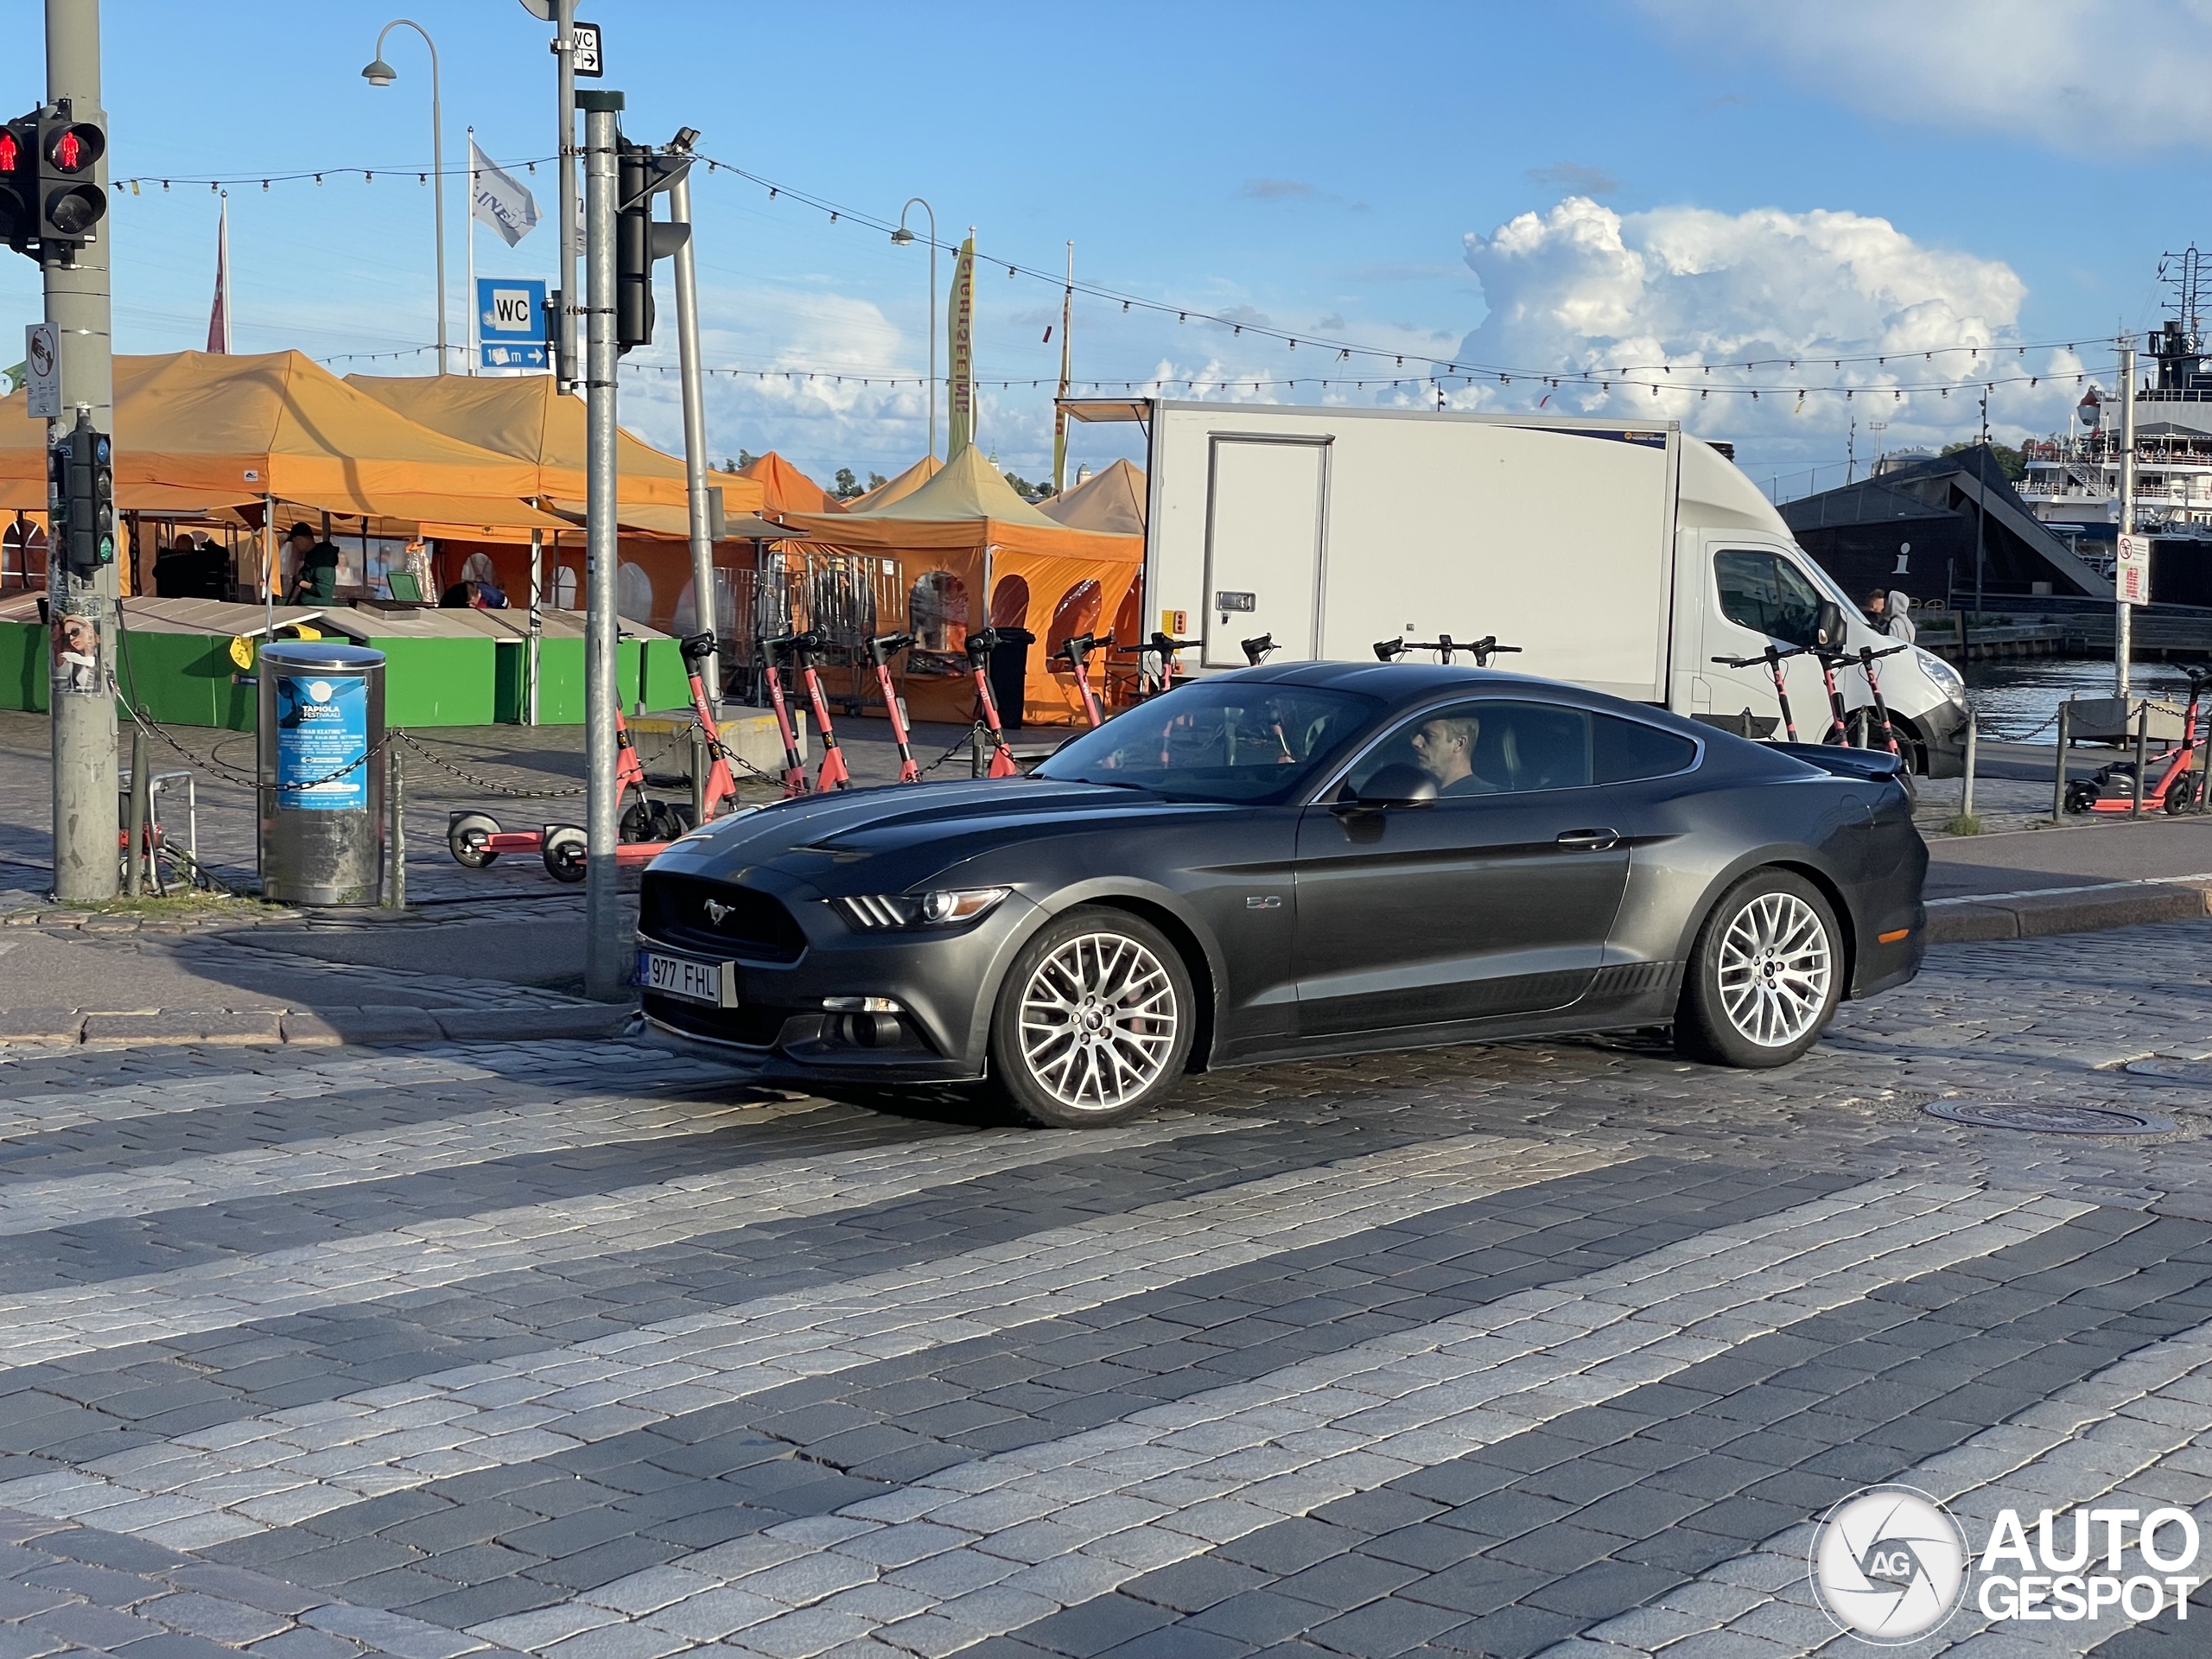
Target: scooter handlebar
[1868,654]
[696,648]
[884,646]
[1258,650]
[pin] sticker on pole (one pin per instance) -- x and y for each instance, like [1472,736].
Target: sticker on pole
[511,318]
[42,372]
[322,743]
[2131,574]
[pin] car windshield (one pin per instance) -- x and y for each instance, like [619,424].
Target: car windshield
[1231,740]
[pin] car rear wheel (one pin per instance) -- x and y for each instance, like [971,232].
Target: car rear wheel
[1093,1024]
[1766,976]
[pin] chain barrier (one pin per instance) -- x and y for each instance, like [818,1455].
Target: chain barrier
[485,783]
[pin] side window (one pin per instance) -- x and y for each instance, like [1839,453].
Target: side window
[1489,745]
[1628,749]
[1767,595]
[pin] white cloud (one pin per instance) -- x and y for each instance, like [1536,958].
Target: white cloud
[2079,76]
[1688,290]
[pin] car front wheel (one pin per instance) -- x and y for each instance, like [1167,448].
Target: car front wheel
[1766,974]
[1093,1024]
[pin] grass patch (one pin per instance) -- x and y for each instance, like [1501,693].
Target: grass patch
[1964,823]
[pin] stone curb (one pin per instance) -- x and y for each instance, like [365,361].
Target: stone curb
[375,1026]
[1971,920]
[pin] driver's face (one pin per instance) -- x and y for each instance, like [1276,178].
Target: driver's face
[1438,751]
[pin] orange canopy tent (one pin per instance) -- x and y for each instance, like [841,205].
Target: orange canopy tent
[982,551]
[527,417]
[785,489]
[195,430]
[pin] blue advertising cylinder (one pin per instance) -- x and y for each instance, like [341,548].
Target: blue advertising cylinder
[320,736]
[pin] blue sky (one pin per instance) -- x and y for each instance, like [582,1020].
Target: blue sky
[1700,179]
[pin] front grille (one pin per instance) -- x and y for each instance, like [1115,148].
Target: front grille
[672,909]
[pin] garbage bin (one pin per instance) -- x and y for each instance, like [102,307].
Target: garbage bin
[1010,675]
[320,737]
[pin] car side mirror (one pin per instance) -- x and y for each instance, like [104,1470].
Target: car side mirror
[1833,633]
[1400,785]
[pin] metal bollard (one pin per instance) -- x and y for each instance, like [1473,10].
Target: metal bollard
[2142,754]
[699,765]
[395,890]
[1966,790]
[134,853]
[2058,788]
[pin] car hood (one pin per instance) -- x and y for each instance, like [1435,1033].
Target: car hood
[889,838]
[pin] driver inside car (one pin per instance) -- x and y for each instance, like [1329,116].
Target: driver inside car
[1443,748]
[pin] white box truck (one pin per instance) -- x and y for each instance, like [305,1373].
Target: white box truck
[1621,555]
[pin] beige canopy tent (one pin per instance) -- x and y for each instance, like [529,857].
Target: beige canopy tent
[1112,501]
[898,488]
[975,552]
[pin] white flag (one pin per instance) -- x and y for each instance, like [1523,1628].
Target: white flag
[499,198]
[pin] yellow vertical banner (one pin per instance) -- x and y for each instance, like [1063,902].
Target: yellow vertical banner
[960,326]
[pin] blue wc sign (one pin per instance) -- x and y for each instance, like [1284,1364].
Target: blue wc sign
[510,323]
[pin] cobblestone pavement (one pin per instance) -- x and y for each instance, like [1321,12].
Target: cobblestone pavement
[578,1349]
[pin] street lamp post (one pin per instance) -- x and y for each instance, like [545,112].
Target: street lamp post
[380,73]
[902,235]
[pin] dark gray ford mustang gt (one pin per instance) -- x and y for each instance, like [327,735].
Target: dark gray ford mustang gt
[1317,859]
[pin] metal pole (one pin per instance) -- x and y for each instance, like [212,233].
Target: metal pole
[437,166]
[564,13]
[2058,787]
[82,705]
[395,892]
[2142,754]
[468,240]
[605,962]
[695,440]
[536,622]
[2124,621]
[700,763]
[1965,790]
[134,854]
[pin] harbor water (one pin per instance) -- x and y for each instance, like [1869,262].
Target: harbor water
[2013,699]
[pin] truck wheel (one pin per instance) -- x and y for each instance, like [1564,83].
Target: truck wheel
[1765,977]
[1093,1023]
[564,851]
[465,825]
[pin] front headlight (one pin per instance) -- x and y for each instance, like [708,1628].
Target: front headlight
[878,912]
[1948,679]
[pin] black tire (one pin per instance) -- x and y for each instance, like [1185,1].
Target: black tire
[2181,794]
[2080,795]
[1765,977]
[1108,981]
[564,852]
[467,857]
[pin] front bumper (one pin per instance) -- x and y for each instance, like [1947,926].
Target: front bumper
[943,982]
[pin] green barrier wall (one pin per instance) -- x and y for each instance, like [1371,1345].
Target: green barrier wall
[657,680]
[22,665]
[438,682]
[183,679]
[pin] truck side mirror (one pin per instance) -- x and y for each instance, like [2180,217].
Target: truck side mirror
[1829,626]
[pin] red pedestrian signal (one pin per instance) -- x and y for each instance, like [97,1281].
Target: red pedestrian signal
[18,183]
[69,204]
[72,148]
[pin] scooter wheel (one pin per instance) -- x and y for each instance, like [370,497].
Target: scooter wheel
[670,819]
[2080,796]
[2180,794]
[638,822]
[564,852]
[458,834]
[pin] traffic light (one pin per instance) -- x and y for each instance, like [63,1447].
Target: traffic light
[639,240]
[81,493]
[19,182]
[69,203]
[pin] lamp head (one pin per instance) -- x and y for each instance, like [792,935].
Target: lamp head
[380,73]
[902,235]
[686,140]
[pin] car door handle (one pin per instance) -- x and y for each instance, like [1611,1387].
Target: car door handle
[1588,840]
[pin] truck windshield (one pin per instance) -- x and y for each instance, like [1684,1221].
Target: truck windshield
[1767,594]
[1232,741]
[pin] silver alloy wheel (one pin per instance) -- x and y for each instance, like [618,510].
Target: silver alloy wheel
[1098,1019]
[1774,969]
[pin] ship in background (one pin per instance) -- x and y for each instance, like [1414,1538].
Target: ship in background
[2073,483]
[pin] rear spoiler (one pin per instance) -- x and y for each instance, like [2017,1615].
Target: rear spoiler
[1870,766]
